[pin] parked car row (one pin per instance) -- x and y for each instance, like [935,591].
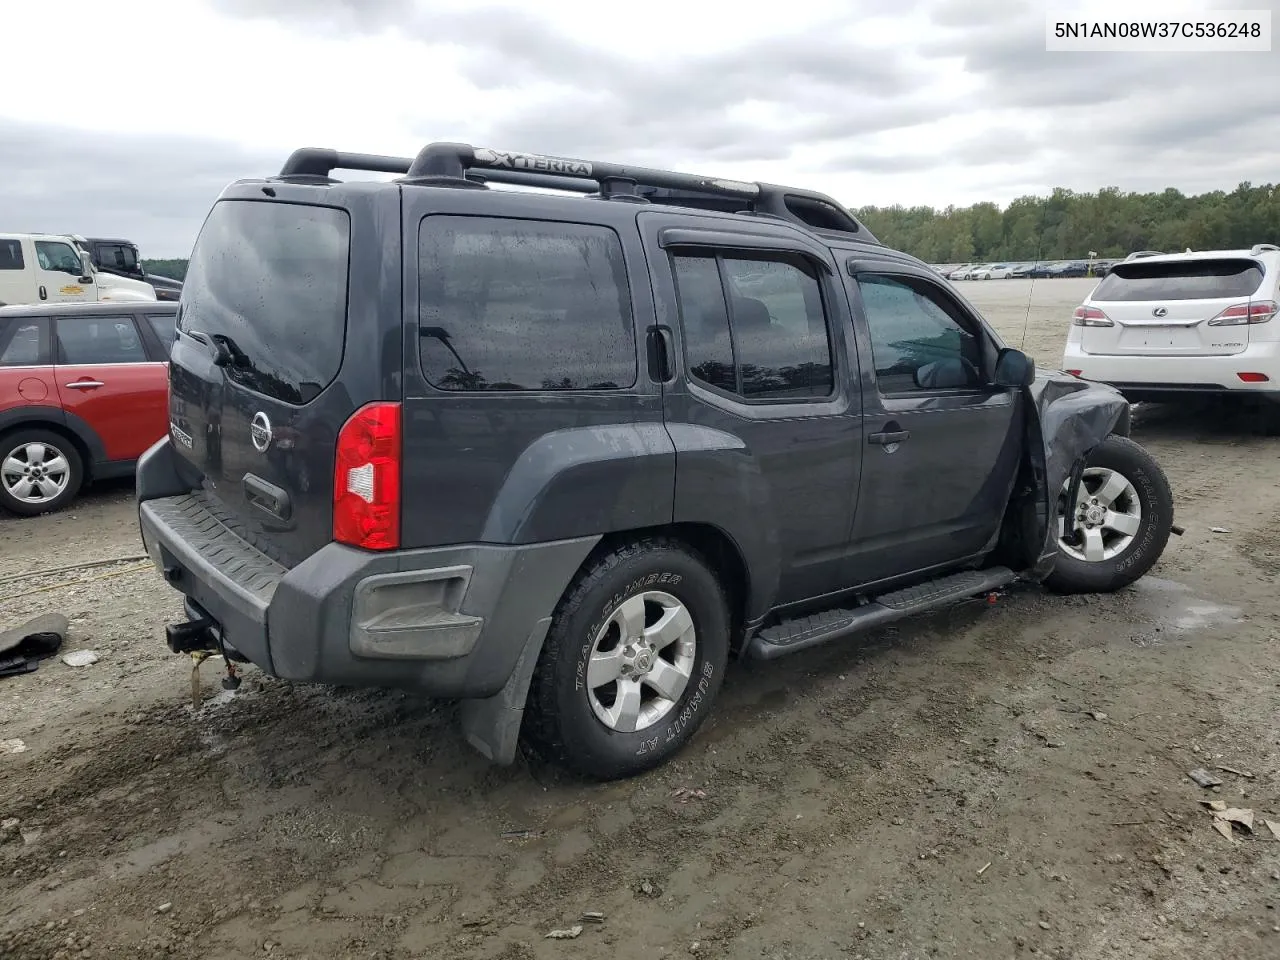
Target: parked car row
[1004,270]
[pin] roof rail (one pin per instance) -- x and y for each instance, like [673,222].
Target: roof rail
[1260,247]
[462,164]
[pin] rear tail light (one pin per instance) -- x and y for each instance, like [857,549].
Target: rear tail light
[366,479]
[1075,373]
[1253,377]
[1086,316]
[1258,311]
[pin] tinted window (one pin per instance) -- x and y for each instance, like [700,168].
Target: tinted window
[767,339]
[779,329]
[58,256]
[271,278]
[164,324]
[116,256]
[705,321]
[523,305]
[19,343]
[11,255]
[98,340]
[1180,280]
[916,343]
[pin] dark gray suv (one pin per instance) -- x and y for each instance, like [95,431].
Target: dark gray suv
[562,453]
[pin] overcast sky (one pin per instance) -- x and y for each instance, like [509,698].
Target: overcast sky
[156,104]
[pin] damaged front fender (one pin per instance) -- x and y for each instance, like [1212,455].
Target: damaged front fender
[1071,417]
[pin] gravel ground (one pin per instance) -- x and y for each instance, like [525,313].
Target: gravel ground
[986,783]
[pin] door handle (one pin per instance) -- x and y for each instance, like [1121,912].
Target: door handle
[888,437]
[660,353]
[44,294]
[86,384]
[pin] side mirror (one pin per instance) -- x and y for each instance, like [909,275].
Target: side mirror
[1014,369]
[86,268]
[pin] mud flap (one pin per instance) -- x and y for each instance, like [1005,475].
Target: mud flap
[492,725]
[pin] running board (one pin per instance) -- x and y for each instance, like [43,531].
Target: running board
[791,636]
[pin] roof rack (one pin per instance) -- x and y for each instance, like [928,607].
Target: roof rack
[1261,247]
[462,165]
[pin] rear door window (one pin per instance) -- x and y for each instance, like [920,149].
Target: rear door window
[98,340]
[20,343]
[523,305]
[1228,278]
[270,281]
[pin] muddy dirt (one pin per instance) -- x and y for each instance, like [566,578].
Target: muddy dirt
[987,782]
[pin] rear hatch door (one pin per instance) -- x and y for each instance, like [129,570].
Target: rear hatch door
[1163,307]
[255,397]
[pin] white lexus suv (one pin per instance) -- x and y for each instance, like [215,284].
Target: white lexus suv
[1162,327]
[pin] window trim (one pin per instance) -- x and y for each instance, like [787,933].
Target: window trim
[957,312]
[769,254]
[56,341]
[627,294]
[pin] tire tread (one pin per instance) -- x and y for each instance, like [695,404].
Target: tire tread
[542,732]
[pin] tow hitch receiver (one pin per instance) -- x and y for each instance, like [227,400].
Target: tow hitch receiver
[194,636]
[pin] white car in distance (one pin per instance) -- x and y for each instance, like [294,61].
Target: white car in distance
[1168,327]
[992,271]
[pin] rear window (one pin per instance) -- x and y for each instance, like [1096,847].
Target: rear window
[1180,280]
[523,305]
[271,278]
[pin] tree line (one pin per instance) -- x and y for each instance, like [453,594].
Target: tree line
[1067,225]
[174,269]
[1062,226]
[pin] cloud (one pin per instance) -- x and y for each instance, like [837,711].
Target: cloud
[915,102]
[154,190]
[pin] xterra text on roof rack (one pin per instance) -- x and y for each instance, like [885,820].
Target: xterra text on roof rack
[562,456]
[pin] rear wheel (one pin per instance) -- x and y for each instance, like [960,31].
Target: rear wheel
[633,660]
[1120,523]
[40,472]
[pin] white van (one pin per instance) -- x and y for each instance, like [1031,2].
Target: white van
[42,268]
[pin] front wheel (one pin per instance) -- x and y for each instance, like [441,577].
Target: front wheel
[634,658]
[1120,523]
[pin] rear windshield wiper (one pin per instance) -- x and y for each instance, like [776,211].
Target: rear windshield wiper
[225,351]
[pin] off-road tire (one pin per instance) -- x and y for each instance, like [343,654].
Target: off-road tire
[1073,575]
[52,441]
[559,723]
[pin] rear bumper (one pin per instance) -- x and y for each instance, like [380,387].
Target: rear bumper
[1162,378]
[448,622]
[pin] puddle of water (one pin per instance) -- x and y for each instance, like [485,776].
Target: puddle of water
[1172,605]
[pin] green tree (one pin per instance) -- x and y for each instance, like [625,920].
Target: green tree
[1067,225]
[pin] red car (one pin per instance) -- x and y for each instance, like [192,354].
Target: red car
[83,392]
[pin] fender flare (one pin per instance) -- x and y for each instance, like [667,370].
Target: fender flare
[80,430]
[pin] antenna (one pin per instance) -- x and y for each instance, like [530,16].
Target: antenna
[1026,323]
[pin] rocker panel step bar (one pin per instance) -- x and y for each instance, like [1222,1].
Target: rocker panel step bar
[801,633]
